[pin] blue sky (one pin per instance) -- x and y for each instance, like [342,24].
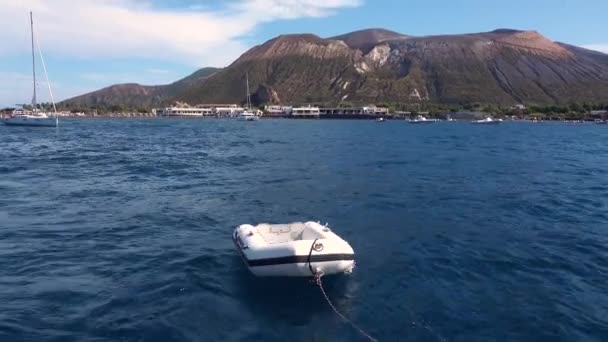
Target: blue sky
[89,44]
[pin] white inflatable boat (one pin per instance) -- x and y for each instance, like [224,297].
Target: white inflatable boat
[293,250]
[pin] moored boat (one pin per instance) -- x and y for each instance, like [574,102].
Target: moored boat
[30,119]
[487,121]
[422,120]
[299,249]
[247,114]
[33,117]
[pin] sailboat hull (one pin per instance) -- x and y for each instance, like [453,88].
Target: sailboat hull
[37,122]
[248,118]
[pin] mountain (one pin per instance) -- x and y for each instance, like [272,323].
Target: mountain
[136,95]
[504,66]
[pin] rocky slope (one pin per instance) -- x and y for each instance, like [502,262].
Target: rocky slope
[371,66]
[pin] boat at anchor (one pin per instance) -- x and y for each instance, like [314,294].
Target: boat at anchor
[422,120]
[299,249]
[248,114]
[487,121]
[33,117]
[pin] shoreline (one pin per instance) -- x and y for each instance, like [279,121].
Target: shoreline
[444,117]
[322,118]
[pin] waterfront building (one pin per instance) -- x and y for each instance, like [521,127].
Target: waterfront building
[184,111]
[305,112]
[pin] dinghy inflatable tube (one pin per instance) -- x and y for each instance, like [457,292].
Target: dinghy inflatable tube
[293,250]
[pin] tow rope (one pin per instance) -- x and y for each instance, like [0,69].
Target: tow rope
[344,318]
[317,276]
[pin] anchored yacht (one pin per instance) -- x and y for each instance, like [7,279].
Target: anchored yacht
[247,114]
[34,117]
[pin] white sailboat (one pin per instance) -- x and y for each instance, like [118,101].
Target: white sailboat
[247,114]
[34,117]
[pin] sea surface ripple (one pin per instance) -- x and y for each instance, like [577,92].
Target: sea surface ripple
[119,230]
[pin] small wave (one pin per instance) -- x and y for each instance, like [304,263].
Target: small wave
[117,230]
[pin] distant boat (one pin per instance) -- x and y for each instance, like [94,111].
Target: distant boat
[487,121]
[247,114]
[380,120]
[422,120]
[33,117]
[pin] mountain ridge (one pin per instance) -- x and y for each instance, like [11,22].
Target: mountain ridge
[503,66]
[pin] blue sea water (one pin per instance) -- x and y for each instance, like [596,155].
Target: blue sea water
[119,230]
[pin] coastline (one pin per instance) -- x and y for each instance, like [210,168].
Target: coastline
[462,116]
[322,118]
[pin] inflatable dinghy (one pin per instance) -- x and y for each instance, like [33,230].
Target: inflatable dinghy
[293,250]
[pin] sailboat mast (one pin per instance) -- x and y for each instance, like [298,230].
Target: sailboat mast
[33,62]
[248,96]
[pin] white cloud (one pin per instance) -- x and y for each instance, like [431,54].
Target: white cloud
[597,47]
[280,9]
[105,30]
[135,29]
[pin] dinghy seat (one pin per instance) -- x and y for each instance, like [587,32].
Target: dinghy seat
[281,233]
[296,235]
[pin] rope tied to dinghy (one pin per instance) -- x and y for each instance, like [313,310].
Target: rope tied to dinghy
[317,276]
[344,318]
[312,272]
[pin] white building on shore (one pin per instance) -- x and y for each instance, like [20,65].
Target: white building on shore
[375,110]
[201,110]
[228,110]
[278,110]
[233,110]
[305,112]
[184,111]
